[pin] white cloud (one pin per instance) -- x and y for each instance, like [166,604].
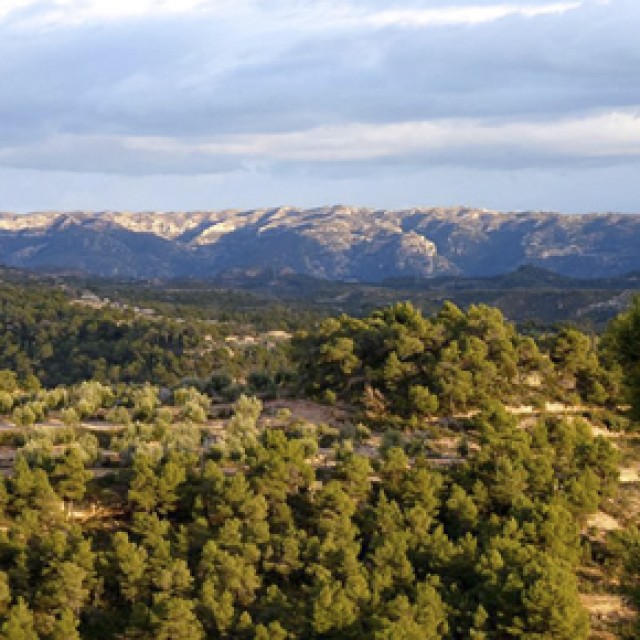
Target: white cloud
[11,6]
[335,14]
[613,136]
[609,135]
[471,14]
[69,12]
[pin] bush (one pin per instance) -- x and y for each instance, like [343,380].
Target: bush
[24,416]
[70,417]
[6,402]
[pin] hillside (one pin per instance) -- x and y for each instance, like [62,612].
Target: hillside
[274,299]
[335,243]
[386,477]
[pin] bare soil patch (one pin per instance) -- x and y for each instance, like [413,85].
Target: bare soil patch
[629,475]
[607,606]
[311,411]
[602,522]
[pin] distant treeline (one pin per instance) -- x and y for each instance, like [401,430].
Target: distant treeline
[44,334]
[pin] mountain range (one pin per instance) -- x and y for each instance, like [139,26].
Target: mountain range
[336,243]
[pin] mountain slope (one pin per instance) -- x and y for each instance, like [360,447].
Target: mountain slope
[338,243]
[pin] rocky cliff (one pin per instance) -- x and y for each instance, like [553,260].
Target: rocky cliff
[338,243]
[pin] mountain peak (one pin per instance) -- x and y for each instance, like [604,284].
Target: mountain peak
[335,242]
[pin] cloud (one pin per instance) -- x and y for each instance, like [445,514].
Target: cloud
[38,13]
[611,137]
[180,75]
[470,14]
[114,155]
[191,87]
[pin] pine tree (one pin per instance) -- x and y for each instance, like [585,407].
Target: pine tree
[176,620]
[70,477]
[66,627]
[130,561]
[19,624]
[143,489]
[5,593]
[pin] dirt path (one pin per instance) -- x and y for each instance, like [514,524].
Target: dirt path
[607,606]
[310,411]
[629,475]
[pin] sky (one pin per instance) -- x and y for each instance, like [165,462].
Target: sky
[210,104]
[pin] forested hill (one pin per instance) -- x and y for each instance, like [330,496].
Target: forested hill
[391,487]
[278,299]
[337,243]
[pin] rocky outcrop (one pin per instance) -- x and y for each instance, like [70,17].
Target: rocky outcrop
[338,243]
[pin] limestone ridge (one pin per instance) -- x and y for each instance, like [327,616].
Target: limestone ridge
[336,243]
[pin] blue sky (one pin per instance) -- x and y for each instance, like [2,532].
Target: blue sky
[209,104]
